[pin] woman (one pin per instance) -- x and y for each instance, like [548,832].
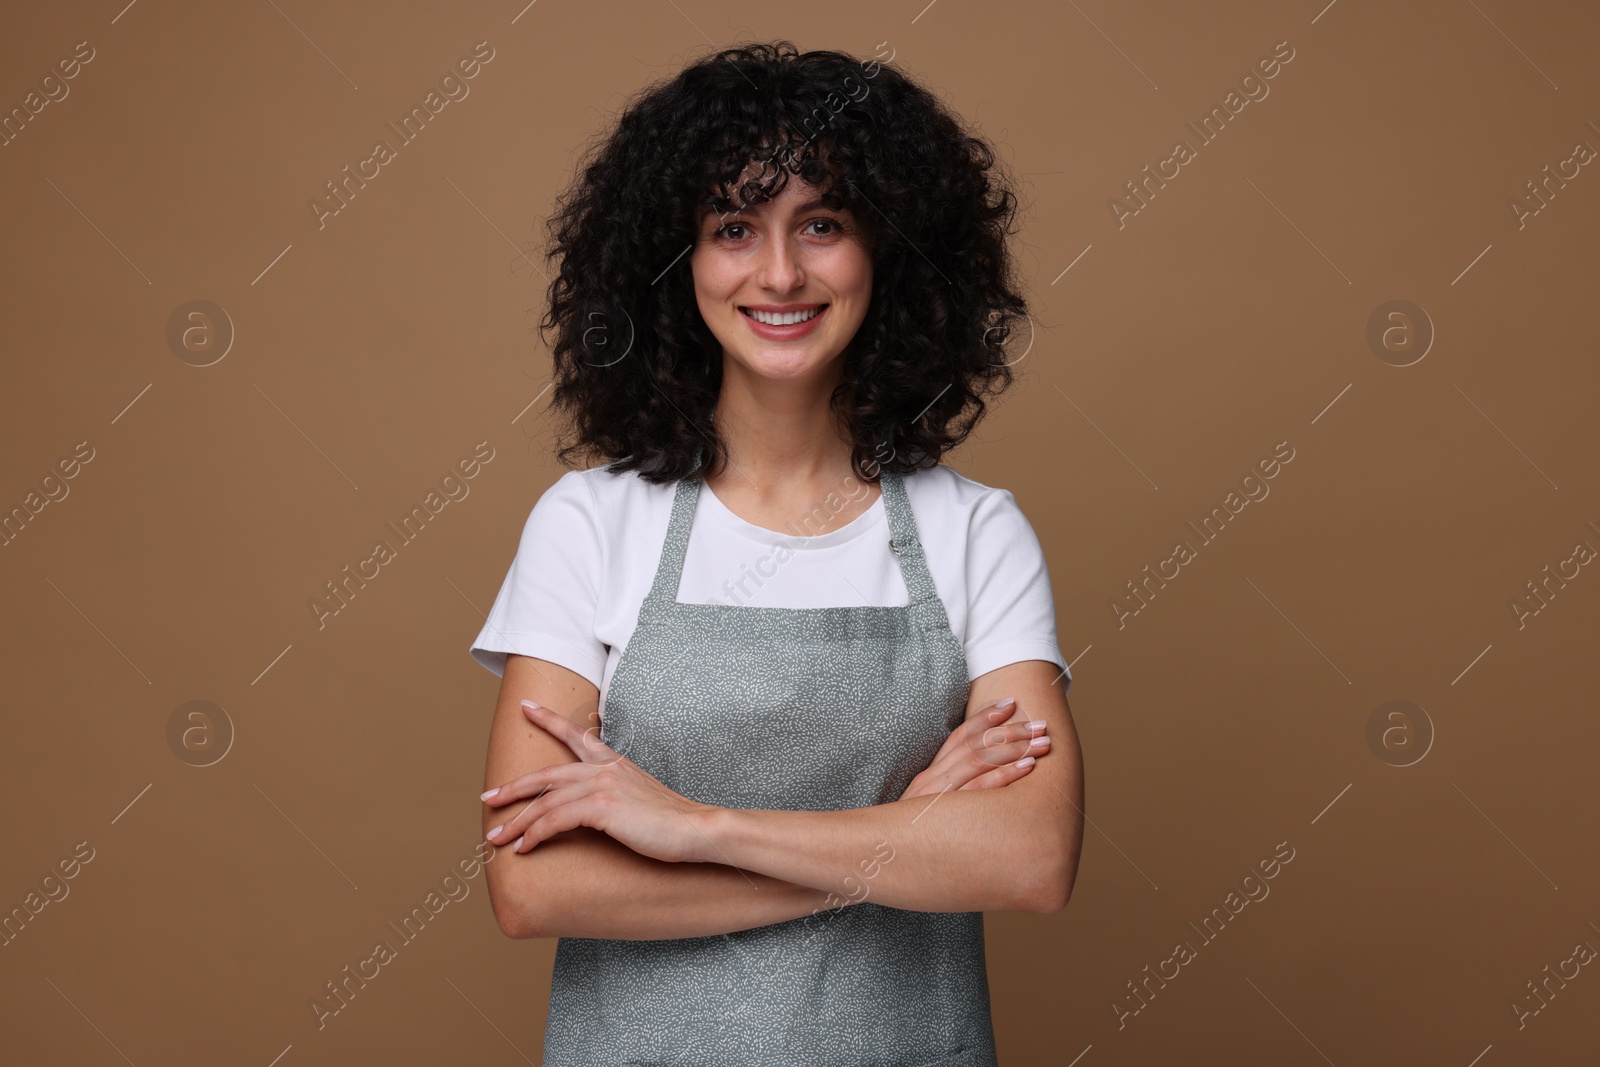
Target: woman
[751,754]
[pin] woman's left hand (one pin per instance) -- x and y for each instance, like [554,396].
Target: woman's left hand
[604,790]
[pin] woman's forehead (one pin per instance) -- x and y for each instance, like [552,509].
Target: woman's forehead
[796,191]
[765,165]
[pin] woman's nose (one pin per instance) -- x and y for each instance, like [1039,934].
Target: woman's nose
[781,269]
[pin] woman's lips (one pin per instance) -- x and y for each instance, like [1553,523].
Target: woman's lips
[784,333]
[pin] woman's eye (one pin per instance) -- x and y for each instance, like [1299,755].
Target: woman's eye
[727,230]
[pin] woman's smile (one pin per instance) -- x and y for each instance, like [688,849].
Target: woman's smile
[785,324]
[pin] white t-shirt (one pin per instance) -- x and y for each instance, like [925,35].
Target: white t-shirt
[591,545]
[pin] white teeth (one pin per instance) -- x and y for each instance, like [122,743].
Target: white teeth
[788,318]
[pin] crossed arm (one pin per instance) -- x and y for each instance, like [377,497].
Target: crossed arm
[1011,848]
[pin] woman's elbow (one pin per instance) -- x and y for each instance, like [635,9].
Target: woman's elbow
[511,914]
[510,919]
[1057,897]
[1058,870]
[1051,887]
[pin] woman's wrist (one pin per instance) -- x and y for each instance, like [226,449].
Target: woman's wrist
[719,831]
[715,826]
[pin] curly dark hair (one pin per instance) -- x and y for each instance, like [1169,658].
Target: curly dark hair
[935,208]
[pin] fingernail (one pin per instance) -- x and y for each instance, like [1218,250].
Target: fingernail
[1025,761]
[517,846]
[495,832]
[1037,724]
[529,704]
[1040,741]
[490,793]
[1006,703]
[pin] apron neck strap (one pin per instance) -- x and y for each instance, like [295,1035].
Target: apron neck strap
[904,543]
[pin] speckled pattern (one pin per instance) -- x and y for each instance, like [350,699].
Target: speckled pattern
[815,709]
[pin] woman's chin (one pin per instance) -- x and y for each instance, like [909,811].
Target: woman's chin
[780,366]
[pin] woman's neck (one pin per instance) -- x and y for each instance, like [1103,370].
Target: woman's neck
[786,455]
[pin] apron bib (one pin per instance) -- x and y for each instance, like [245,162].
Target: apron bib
[802,709]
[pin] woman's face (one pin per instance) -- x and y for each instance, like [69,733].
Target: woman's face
[790,258]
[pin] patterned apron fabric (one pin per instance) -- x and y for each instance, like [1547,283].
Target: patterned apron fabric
[813,709]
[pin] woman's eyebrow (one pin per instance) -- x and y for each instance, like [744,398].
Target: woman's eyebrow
[809,205]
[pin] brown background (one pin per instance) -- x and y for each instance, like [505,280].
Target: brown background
[1229,315]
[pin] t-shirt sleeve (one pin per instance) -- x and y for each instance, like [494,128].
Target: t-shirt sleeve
[547,604]
[1011,611]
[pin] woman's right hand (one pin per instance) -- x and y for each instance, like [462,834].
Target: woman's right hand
[982,753]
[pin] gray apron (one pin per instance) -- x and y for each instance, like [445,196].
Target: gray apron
[802,709]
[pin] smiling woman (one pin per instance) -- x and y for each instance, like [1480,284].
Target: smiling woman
[696,794]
